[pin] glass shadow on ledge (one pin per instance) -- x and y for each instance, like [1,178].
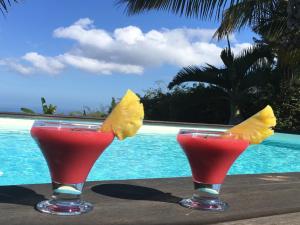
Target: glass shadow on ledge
[19,195]
[134,192]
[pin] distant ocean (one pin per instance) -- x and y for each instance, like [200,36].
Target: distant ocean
[9,109]
[65,111]
[38,110]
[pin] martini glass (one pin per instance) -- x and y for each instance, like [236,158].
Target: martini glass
[210,155]
[70,150]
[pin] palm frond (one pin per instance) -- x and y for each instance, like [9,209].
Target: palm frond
[190,8]
[259,75]
[208,74]
[258,53]
[4,5]
[227,57]
[245,13]
[274,26]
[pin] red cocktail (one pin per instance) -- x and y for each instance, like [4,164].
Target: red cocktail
[70,151]
[210,155]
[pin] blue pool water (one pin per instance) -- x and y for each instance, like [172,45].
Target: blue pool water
[147,155]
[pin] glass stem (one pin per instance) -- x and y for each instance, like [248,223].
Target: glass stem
[207,189]
[66,192]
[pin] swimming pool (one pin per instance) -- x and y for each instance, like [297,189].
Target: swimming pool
[153,153]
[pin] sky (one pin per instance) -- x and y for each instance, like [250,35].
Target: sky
[79,54]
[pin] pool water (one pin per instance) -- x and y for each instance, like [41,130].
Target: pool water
[150,154]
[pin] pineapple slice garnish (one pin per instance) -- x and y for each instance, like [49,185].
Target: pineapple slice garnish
[256,128]
[126,118]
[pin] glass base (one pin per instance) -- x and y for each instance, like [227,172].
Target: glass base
[204,203]
[64,207]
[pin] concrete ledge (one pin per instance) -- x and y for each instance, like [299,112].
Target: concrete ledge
[94,119]
[154,201]
[18,115]
[283,219]
[17,124]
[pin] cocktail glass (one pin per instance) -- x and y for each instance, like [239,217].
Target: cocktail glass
[70,150]
[210,154]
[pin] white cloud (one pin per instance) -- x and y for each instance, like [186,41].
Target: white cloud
[239,47]
[129,35]
[127,50]
[83,32]
[16,66]
[100,67]
[22,69]
[49,65]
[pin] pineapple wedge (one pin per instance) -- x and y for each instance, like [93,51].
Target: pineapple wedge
[256,128]
[126,118]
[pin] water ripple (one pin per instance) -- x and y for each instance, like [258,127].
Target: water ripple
[143,156]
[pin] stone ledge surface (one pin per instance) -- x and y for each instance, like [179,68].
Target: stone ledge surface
[154,202]
[283,219]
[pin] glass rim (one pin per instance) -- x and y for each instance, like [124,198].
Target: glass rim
[207,132]
[66,124]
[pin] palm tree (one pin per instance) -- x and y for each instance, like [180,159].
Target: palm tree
[240,75]
[268,18]
[272,25]
[246,11]
[4,5]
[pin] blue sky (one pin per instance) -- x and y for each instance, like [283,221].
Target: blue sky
[82,54]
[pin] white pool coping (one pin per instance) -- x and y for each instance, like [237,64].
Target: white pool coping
[12,124]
